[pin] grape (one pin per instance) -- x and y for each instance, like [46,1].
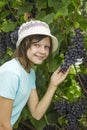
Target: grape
[75,53]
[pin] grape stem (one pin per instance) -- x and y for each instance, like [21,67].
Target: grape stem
[11,11]
[45,117]
[80,80]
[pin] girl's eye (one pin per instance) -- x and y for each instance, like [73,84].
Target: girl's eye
[47,47]
[37,45]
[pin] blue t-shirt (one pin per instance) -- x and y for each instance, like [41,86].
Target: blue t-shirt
[16,84]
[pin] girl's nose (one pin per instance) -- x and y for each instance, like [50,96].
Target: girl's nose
[42,49]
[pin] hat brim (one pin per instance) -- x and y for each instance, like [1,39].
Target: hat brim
[54,41]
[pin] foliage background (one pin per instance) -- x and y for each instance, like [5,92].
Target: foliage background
[62,16]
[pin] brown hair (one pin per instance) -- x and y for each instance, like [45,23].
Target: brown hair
[21,50]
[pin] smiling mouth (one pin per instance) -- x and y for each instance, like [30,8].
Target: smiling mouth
[39,57]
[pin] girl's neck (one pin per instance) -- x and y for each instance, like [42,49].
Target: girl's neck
[27,65]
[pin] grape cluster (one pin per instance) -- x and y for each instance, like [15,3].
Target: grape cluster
[14,35]
[72,111]
[76,111]
[76,52]
[62,107]
[51,127]
[8,39]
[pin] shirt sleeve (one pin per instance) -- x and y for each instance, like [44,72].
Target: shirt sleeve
[9,83]
[33,78]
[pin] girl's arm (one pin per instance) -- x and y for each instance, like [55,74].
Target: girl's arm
[38,108]
[5,113]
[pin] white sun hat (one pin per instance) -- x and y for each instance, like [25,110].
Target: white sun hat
[36,27]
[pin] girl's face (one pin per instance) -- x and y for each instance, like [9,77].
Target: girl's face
[39,51]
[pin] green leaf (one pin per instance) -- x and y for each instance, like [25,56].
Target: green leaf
[8,26]
[53,65]
[40,15]
[76,3]
[73,92]
[2,4]
[61,12]
[41,4]
[61,120]
[49,18]
[16,3]
[52,116]
[55,4]
[9,52]
[66,2]
[26,7]
[38,124]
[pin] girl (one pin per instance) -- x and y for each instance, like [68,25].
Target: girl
[17,78]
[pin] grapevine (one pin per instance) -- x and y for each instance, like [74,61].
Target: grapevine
[72,112]
[82,80]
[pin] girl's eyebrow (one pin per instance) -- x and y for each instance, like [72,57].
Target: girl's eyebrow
[35,41]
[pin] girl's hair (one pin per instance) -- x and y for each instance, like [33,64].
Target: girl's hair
[21,51]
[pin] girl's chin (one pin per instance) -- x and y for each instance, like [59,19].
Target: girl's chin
[38,63]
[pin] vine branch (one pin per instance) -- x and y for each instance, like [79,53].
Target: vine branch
[11,11]
[80,80]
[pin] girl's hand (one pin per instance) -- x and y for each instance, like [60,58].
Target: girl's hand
[57,77]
